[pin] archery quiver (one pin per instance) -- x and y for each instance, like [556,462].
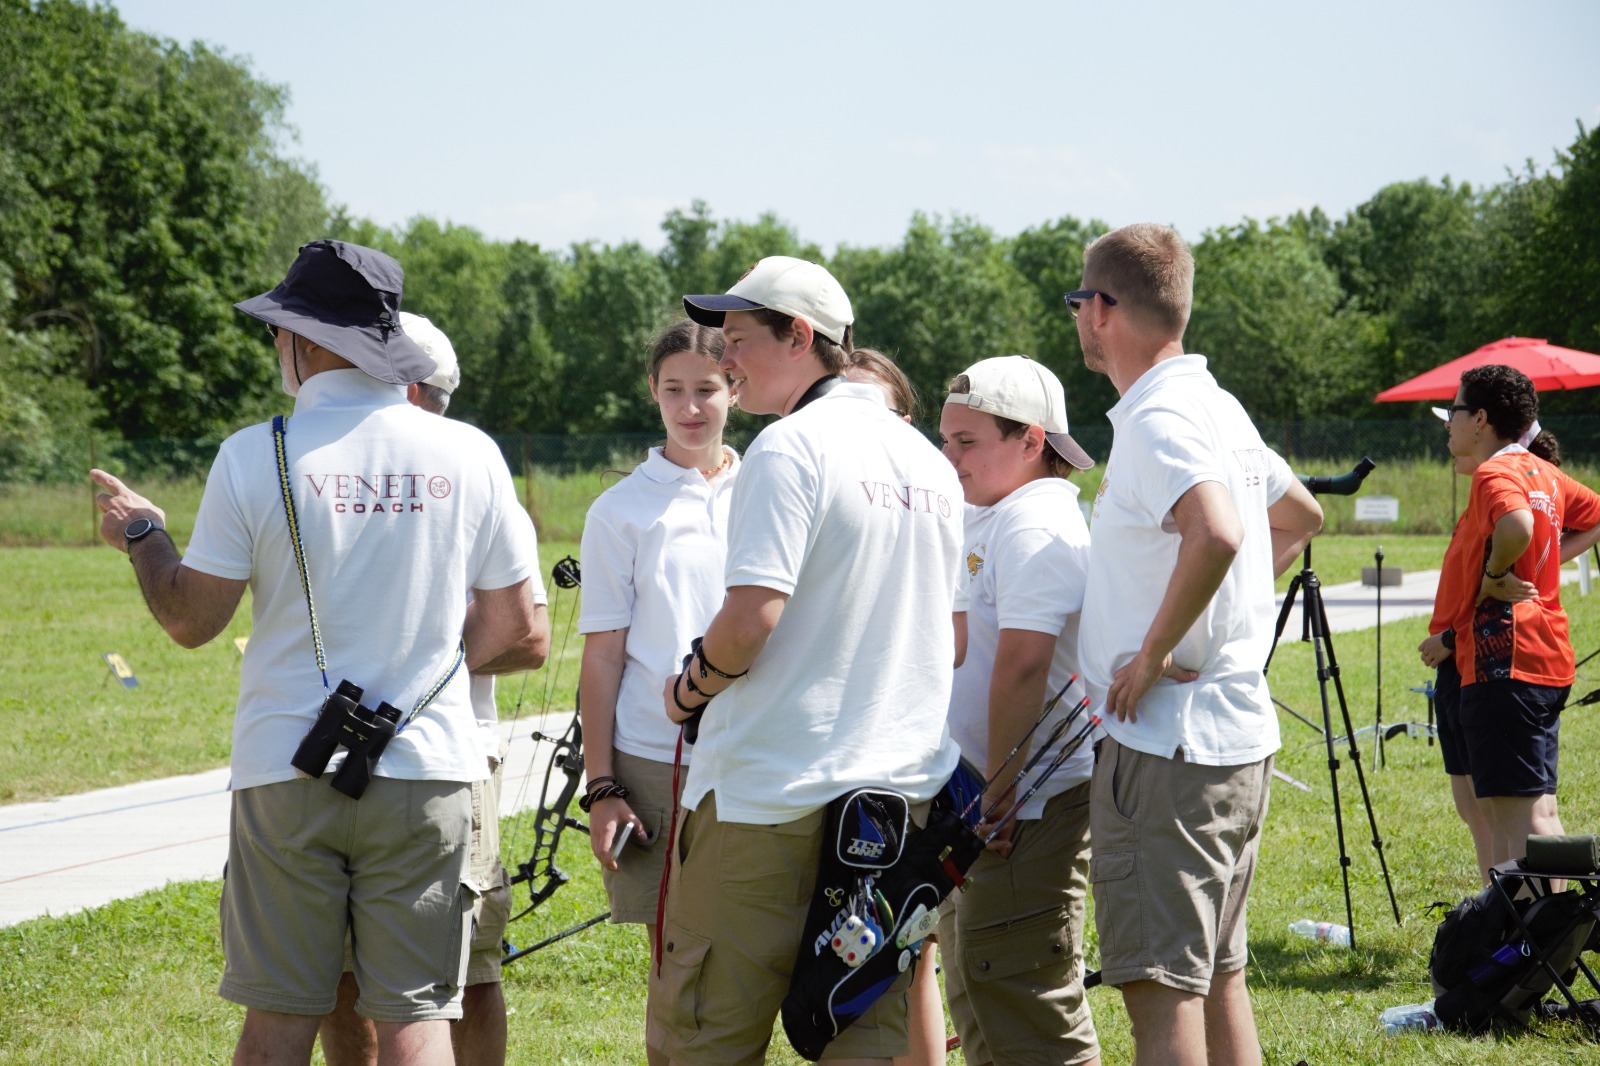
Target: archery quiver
[879,886]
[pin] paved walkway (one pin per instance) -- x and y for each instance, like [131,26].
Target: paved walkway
[64,855]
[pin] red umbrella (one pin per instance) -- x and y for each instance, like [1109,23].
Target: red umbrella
[1547,366]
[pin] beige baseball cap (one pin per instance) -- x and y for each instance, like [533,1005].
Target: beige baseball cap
[431,339]
[1023,390]
[782,283]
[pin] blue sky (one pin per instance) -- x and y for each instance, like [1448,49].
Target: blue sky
[563,122]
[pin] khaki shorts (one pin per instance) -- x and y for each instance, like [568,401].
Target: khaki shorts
[736,910]
[491,911]
[1174,852]
[635,884]
[304,860]
[491,885]
[1013,944]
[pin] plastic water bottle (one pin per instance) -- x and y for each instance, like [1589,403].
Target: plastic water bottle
[1327,932]
[1418,1016]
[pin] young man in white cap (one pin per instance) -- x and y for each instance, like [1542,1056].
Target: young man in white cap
[396,516]
[1194,517]
[479,1038]
[828,667]
[1013,937]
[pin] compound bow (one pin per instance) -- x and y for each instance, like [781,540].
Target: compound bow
[540,872]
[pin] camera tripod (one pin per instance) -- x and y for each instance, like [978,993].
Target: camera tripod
[1314,630]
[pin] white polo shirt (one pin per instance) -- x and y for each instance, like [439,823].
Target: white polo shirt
[484,708]
[1175,428]
[401,512]
[654,547]
[1024,567]
[857,517]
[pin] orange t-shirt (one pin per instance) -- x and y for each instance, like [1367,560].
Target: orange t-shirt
[1524,641]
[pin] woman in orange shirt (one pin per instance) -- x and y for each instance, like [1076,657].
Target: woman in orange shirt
[1500,590]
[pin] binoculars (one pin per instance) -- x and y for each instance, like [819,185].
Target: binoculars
[343,723]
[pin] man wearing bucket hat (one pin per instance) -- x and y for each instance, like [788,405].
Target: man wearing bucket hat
[360,524]
[827,669]
[1012,939]
[479,1038]
[1193,518]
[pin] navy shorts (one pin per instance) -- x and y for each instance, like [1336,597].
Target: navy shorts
[1512,728]
[1447,709]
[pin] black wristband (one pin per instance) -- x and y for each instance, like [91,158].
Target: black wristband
[679,702]
[1448,639]
[1491,575]
[610,791]
[697,650]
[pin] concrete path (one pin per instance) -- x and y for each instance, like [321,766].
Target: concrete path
[64,855]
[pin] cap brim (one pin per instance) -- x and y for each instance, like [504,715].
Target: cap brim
[396,360]
[709,310]
[1441,413]
[1069,450]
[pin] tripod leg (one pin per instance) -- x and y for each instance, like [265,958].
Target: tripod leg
[1317,622]
[1283,615]
[1355,755]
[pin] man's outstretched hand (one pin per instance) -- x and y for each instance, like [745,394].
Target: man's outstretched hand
[119,505]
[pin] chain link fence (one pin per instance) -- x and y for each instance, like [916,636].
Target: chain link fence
[1324,443]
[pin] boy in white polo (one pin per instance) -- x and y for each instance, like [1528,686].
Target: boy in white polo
[1013,938]
[829,664]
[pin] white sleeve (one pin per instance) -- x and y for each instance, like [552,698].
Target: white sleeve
[771,521]
[511,555]
[520,526]
[1278,477]
[1039,579]
[222,544]
[607,554]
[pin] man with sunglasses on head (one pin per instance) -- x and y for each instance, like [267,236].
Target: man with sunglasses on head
[1193,519]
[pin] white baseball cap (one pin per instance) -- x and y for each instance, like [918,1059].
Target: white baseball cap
[431,339]
[784,284]
[1023,390]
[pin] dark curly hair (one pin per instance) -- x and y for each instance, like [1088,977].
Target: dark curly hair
[1510,403]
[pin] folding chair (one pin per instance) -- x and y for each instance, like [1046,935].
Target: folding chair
[1574,859]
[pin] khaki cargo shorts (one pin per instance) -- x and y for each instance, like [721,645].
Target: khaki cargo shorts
[1012,943]
[305,862]
[1174,852]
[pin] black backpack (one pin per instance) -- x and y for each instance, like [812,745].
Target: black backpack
[1484,970]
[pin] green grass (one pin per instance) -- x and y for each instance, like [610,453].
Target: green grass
[134,981]
[69,728]
[66,606]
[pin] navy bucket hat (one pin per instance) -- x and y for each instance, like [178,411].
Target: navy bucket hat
[346,298]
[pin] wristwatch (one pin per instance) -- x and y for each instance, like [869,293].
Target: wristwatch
[139,528]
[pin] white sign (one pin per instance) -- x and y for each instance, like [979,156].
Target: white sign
[1377,509]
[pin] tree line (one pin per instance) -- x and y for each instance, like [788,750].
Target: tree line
[143,190]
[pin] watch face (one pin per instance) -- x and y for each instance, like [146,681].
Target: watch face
[138,528]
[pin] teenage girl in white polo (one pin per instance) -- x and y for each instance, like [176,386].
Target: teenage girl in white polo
[653,551]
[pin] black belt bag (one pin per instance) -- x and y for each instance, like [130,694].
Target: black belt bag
[879,885]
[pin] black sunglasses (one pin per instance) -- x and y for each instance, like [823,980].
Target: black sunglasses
[1078,297]
[272,331]
[1461,407]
